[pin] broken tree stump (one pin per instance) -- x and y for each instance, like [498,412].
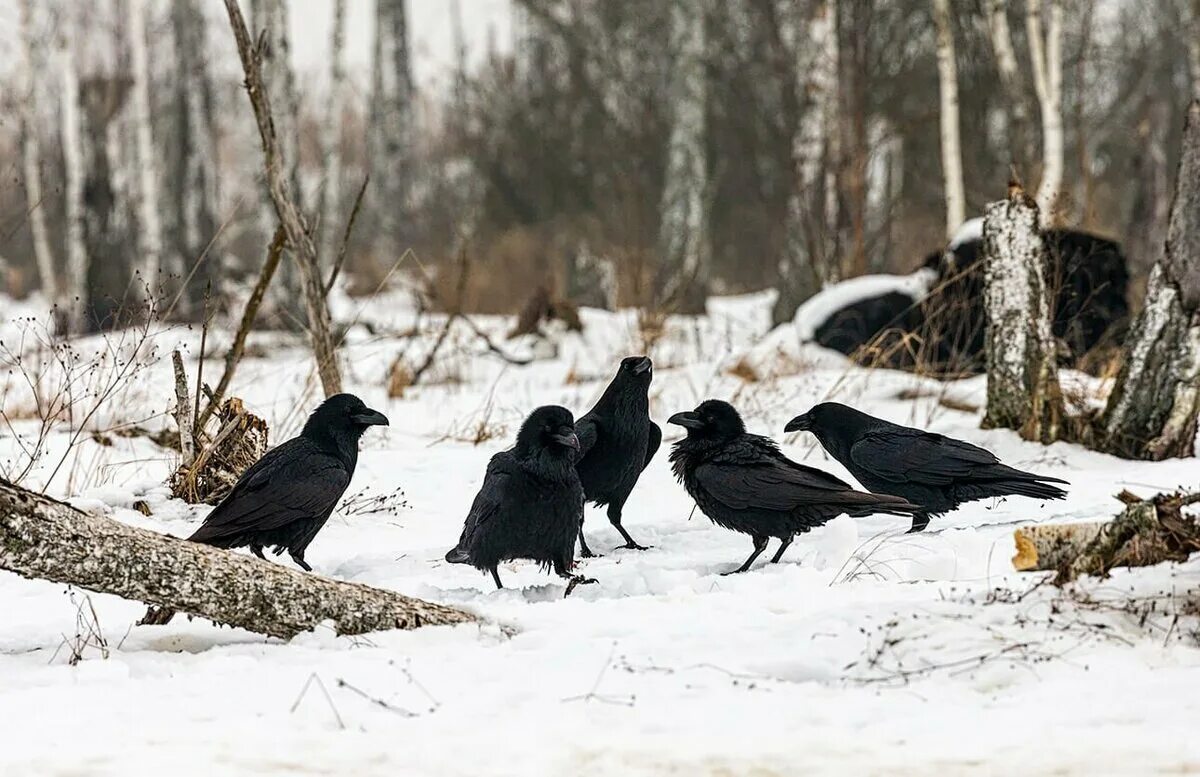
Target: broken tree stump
[45,539]
[1146,532]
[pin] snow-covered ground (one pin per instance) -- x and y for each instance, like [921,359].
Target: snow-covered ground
[867,651]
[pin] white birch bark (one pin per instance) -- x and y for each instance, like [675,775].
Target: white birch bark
[73,293]
[331,136]
[391,129]
[814,58]
[1046,56]
[31,159]
[683,232]
[952,173]
[147,195]
[1022,390]
[1153,407]
[1017,106]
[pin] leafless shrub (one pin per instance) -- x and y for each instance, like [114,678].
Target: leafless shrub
[363,502]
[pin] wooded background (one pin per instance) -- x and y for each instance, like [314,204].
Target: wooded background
[641,152]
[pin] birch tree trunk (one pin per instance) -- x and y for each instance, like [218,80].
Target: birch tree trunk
[147,197]
[1153,407]
[1046,55]
[48,540]
[803,268]
[31,159]
[391,129]
[952,173]
[854,33]
[191,160]
[1020,134]
[331,136]
[1022,391]
[270,19]
[291,218]
[684,240]
[74,290]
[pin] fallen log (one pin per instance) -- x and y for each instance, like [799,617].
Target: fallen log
[45,539]
[1146,532]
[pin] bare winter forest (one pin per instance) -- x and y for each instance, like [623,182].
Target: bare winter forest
[414,286]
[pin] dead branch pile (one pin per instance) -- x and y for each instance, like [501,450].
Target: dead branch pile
[235,439]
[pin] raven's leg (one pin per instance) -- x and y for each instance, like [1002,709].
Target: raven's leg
[562,569]
[298,557]
[257,550]
[584,550]
[614,517]
[760,544]
[496,577]
[920,521]
[782,547]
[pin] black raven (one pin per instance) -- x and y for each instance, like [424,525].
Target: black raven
[743,482]
[531,502]
[286,496]
[617,439]
[936,472]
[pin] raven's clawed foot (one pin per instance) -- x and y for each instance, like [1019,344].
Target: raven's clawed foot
[737,571]
[631,545]
[587,553]
[575,580]
[300,562]
[919,523]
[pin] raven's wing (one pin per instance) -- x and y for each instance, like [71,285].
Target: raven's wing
[588,431]
[293,482]
[912,456]
[754,474]
[488,502]
[653,443]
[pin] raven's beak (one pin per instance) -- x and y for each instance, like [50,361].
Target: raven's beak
[801,423]
[566,436]
[643,366]
[688,420]
[369,417]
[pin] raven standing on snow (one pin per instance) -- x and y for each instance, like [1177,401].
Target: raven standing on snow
[744,483]
[617,439]
[938,473]
[286,496]
[531,502]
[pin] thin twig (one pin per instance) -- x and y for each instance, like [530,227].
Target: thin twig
[341,257]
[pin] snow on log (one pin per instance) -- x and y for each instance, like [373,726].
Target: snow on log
[1023,391]
[1153,407]
[45,539]
[1147,532]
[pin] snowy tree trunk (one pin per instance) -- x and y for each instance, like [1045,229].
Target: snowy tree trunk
[331,136]
[291,218]
[73,292]
[1046,56]
[48,540]
[853,152]
[1020,135]
[952,173]
[391,129]
[1153,407]
[1022,391]
[802,270]
[684,240]
[31,158]
[149,227]
[191,160]
[1150,187]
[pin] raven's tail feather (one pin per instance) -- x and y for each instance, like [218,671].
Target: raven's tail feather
[458,556]
[1033,488]
[865,504]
